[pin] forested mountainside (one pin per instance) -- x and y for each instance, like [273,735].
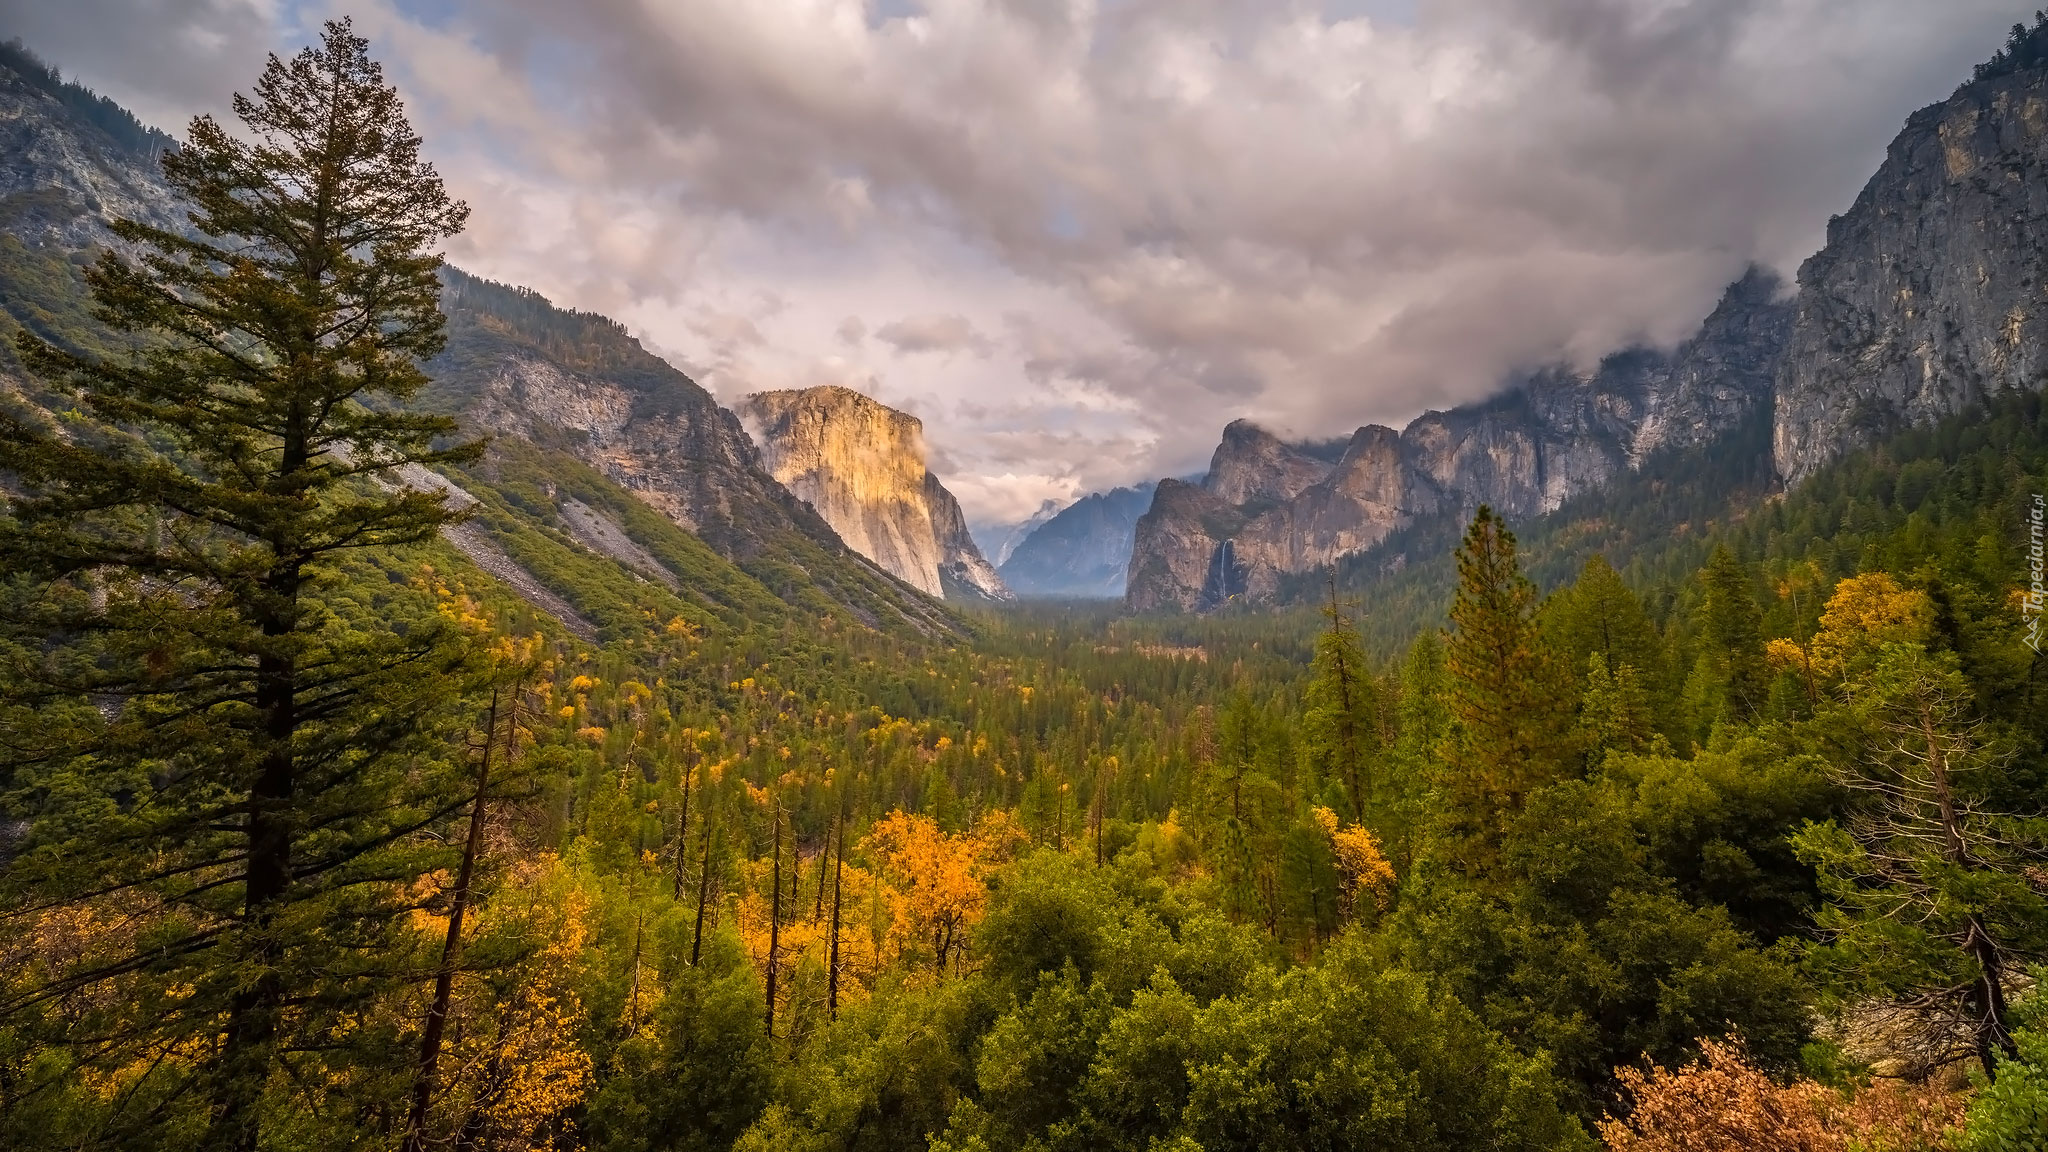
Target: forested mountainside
[607,832]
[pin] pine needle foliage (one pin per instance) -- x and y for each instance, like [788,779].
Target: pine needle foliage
[194,728]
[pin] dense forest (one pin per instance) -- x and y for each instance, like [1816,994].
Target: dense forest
[1721,831]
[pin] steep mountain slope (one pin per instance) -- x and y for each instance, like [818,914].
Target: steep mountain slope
[999,541]
[565,394]
[70,161]
[1267,511]
[1928,296]
[861,465]
[1084,552]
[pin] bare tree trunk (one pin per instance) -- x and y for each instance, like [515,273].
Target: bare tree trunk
[451,945]
[703,888]
[838,886]
[1993,1036]
[774,918]
[682,838]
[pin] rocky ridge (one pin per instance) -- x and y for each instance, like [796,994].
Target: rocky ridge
[1267,509]
[861,465]
[1928,297]
[1083,552]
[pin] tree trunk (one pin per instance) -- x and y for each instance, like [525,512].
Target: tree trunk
[774,920]
[1993,1036]
[451,947]
[682,839]
[250,1038]
[703,888]
[838,876]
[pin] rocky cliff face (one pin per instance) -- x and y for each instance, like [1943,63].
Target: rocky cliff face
[1267,509]
[964,574]
[1928,295]
[1253,466]
[861,465]
[1083,552]
[67,166]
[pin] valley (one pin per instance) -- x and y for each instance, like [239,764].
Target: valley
[429,718]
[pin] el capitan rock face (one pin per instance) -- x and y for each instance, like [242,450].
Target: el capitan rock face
[861,465]
[1267,509]
[1928,296]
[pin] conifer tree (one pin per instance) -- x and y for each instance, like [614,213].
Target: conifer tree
[1599,615]
[1510,714]
[1734,636]
[189,721]
[1934,889]
[1342,718]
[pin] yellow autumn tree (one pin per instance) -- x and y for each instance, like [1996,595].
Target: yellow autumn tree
[1361,868]
[1865,612]
[519,1071]
[937,876]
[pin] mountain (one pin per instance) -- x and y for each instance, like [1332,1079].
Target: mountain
[1267,509]
[616,490]
[1083,552]
[999,541]
[70,161]
[1926,300]
[861,465]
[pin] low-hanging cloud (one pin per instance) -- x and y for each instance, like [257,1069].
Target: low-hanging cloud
[1140,219]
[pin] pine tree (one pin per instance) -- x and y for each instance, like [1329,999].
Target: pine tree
[1934,891]
[1734,638]
[190,721]
[1509,702]
[1599,617]
[1342,718]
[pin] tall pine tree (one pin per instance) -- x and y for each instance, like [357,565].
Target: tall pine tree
[1733,635]
[192,724]
[1510,707]
[1342,718]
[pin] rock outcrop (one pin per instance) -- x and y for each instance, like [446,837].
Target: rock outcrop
[1253,466]
[861,466]
[1083,552]
[1267,509]
[69,164]
[1928,296]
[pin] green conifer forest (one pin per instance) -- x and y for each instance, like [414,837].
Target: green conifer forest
[1581,832]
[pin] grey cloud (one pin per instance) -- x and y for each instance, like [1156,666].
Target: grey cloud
[1249,208]
[165,60]
[950,333]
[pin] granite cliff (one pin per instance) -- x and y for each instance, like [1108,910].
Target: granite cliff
[861,466]
[1927,298]
[1267,509]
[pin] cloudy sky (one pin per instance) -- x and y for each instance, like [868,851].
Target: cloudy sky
[1079,236]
